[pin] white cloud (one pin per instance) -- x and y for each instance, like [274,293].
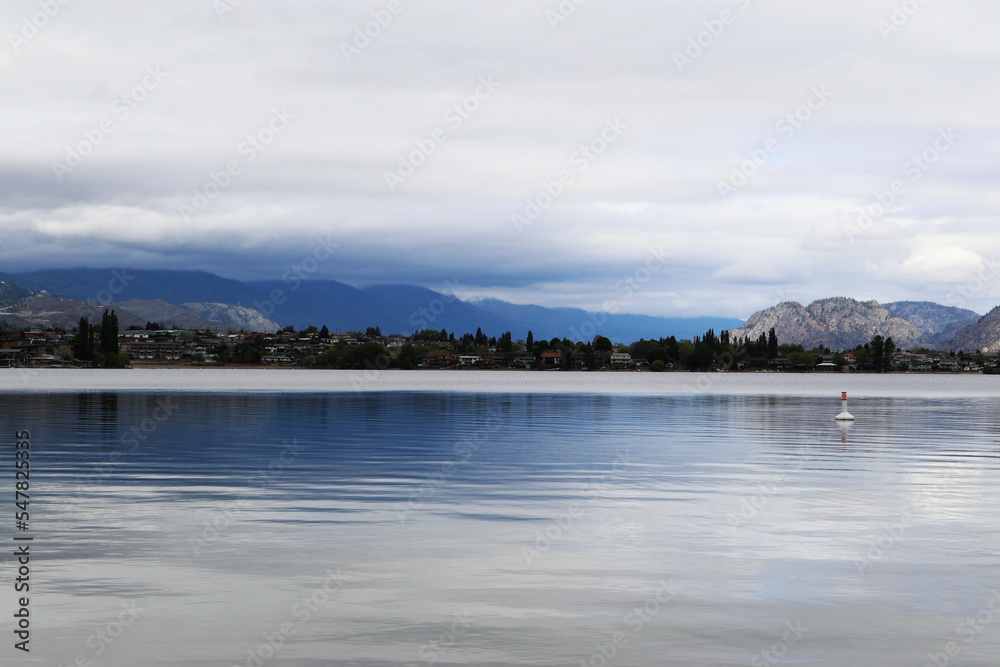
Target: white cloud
[656,184]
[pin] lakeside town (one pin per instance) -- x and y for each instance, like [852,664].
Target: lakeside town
[92,345]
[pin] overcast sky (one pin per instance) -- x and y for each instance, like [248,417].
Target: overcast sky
[718,154]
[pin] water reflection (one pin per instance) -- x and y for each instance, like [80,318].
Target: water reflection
[542,519]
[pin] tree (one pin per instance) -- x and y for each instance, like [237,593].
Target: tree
[797,359]
[324,332]
[890,349]
[506,342]
[529,344]
[408,357]
[878,351]
[84,341]
[109,334]
[772,344]
[602,344]
[699,357]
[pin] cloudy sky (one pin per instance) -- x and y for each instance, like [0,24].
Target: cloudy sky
[723,156]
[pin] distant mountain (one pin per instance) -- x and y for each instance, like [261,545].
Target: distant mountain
[393,308]
[837,323]
[562,322]
[44,309]
[241,317]
[115,284]
[982,336]
[939,323]
[11,293]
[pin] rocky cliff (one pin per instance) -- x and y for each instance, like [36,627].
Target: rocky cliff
[939,323]
[983,336]
[837,323]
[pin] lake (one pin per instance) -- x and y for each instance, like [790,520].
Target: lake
[289,517]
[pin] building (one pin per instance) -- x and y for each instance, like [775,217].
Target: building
[621,358]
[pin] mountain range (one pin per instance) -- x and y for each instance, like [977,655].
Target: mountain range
[198,299]
[844,323]
[202,300]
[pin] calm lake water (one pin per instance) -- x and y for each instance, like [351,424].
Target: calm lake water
[219,517]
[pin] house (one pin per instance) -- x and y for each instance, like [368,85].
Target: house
[550,358]
[436,360]
[468,359]
[152,350]
[948,364]
[621,357]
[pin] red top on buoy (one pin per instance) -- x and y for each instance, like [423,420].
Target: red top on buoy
[844,414]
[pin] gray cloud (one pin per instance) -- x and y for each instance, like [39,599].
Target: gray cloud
[742,111]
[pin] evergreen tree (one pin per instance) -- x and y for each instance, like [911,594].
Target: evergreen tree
[772,344]
[878,351]
[84,341]
[529,343]
[109,334]
[887,352]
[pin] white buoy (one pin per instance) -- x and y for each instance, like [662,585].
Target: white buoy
[844,414]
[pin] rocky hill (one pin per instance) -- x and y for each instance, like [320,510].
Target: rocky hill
[983,336]
[939,323]
[11,294]
[243,317]
[837,323]
[44,309]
